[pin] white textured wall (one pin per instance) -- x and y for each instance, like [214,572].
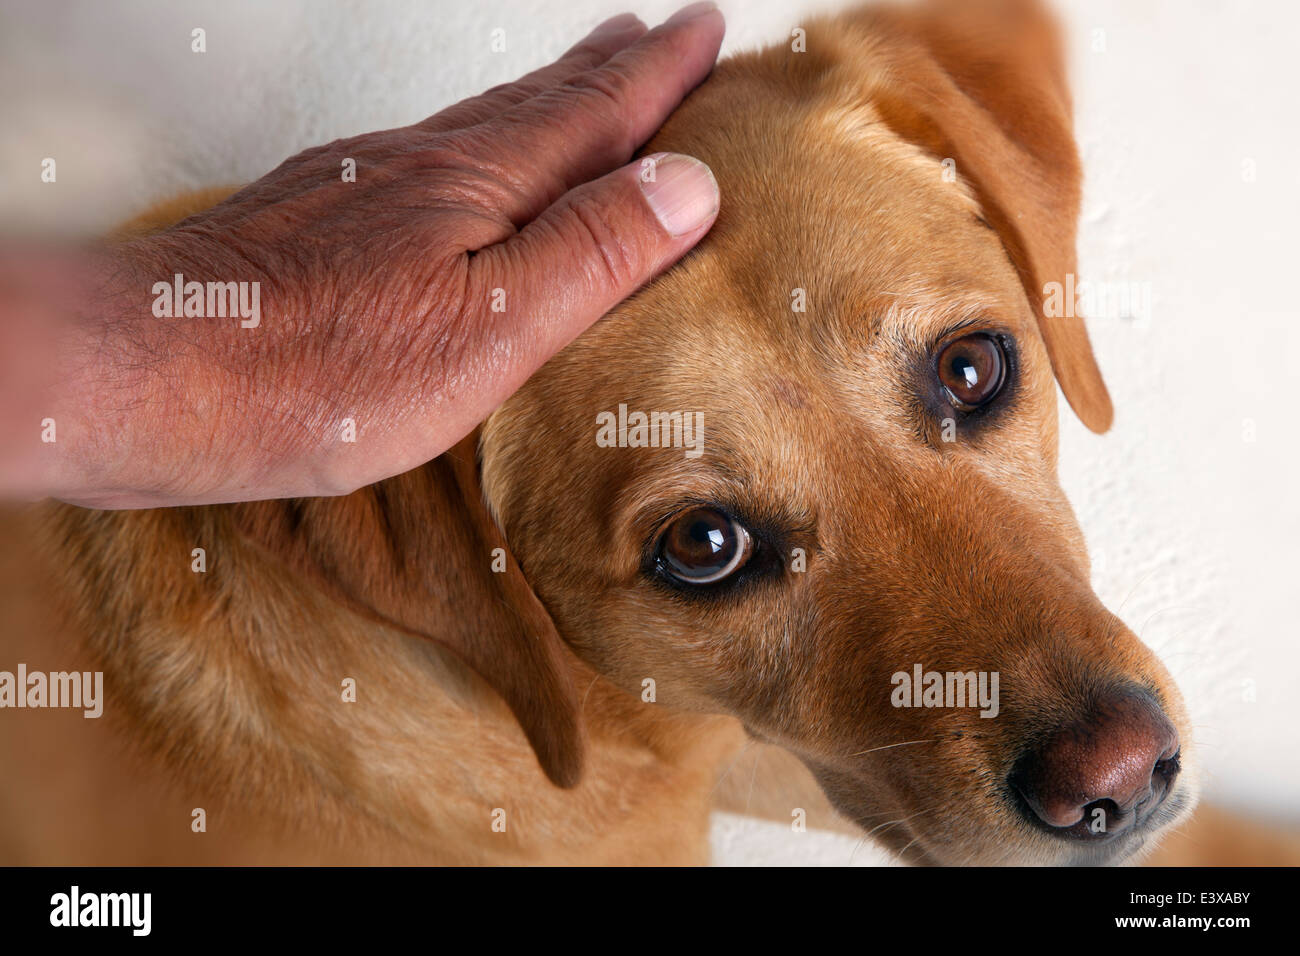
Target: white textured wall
[1194,528]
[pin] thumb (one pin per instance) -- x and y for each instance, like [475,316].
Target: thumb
[592,248]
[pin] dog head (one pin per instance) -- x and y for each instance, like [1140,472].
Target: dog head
[808,477]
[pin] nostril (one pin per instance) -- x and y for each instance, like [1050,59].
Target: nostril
[1162,781]
[1167,767]
[1103,774]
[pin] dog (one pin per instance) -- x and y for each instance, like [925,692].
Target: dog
[546,648]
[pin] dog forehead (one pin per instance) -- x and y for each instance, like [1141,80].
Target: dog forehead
[819,280]
[809,281]
[846,224]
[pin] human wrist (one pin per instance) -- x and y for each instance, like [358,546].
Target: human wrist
[125,404]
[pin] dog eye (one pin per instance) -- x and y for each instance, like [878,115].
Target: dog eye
[972,370]
[703,546]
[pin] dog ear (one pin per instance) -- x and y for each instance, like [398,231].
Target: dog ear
[983,83]
[417,553]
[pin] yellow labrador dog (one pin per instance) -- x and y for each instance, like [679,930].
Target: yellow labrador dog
[801,490]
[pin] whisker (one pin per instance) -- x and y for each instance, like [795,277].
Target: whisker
[1149,575]
[1165,610]
[753,774]
[904,850]
[904,743]
[903,820]
[863,840]
[734,760]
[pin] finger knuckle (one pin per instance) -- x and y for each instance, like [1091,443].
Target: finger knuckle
[604,91]
[605,83]
[615,259]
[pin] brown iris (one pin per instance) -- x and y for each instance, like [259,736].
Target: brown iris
[704,545]
[972,370]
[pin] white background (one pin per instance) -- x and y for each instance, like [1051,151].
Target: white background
[1193,526]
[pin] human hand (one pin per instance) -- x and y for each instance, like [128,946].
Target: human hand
[404,306]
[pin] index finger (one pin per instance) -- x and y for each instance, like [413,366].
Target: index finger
[582,128]
[591,51]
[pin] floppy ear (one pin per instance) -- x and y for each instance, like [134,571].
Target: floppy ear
[415,552]
[982,82]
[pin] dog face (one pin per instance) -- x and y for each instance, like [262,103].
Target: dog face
[858,486]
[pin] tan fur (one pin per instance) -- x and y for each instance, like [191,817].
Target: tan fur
[474,687]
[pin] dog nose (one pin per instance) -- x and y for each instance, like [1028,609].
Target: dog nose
[1106,773]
